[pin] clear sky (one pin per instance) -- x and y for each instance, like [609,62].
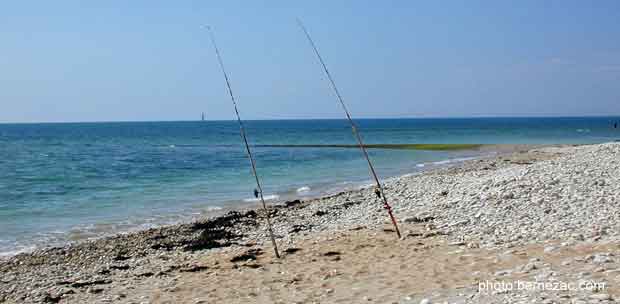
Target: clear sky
[151,60]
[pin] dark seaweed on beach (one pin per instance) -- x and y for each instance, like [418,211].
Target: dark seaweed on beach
[292,250]
[251,254]
[299,228]
[292,203]
[230,219]
[218,232]
[348,204]
[416,219]
[320,213]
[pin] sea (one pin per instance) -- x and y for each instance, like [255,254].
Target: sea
[67,182]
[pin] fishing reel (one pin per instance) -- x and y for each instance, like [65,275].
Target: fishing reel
[378,192]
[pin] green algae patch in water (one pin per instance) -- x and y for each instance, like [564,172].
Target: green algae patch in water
[428,147]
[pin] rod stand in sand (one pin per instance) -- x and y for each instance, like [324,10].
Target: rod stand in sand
[259,191]
[379,191]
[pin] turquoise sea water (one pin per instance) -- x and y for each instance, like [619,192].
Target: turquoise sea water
[63,182]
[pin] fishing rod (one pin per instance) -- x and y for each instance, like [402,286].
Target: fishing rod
[379,189]
[259,191]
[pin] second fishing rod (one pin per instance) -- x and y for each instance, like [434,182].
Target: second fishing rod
[379,190]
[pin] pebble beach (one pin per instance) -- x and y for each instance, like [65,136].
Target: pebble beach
[533,225]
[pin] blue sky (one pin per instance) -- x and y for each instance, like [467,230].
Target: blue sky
[151,60]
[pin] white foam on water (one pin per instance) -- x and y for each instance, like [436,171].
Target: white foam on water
[365,186]
[420,165]
[452,160]
[303,189]
[214,208]
[266,197]
[11,253]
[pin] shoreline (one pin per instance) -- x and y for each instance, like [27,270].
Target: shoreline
[433,202]
[219,208]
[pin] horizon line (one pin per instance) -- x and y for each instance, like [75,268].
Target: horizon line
[312,118]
